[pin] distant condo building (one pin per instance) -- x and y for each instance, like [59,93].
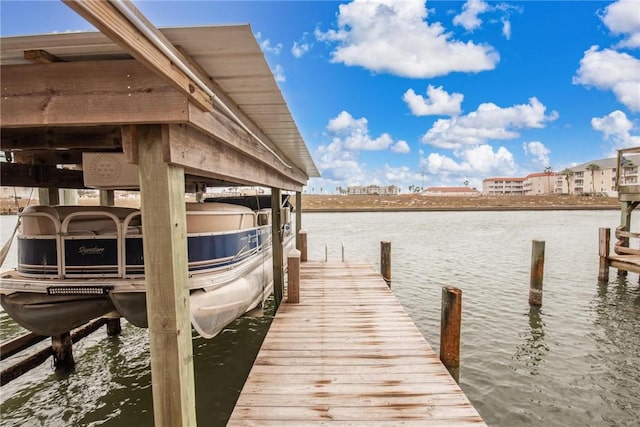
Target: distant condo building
[594,177]
[450,191]
[390,190]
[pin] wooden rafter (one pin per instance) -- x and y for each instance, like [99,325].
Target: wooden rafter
[110,21]
[87,93]
[39,56]
[192,149]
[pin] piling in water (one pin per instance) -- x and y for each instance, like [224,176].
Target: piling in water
[113,327]
[451,317]
[537,273]
[62,351]
[604,245]
[385,261]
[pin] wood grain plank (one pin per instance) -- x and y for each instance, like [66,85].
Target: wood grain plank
[348,354]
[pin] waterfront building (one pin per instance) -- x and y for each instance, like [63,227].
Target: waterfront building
[503,186]
[593,177]
[450,191]
[389,190]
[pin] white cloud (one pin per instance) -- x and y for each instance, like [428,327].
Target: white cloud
[401,147]
[354,134]
[506,29]
[617,128]
[278,74]
[300,49]
[488,122]
[473,164]
[339,161]
[265,45]
[437,102]
[469,19]
[538,151]
[623,18]
[337,164]
[400,175]
[393,36]
[610,70]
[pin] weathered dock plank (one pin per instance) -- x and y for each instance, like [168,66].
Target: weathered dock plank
[349,355]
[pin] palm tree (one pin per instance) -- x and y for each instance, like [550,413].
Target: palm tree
[567,173]
[549,172]
[593,167]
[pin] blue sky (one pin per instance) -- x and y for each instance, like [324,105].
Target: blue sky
[438,92]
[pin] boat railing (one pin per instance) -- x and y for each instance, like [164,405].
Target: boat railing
[67,223]
[627,184]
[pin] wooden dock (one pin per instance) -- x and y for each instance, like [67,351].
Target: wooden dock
[348,354]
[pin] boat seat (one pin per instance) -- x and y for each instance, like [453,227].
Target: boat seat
[79,225]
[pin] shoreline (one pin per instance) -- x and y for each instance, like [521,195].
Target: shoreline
[464,209]
[404,203]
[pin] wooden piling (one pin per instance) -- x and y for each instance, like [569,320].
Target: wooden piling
[385,261]
[603,250]
[48,196]
[298,210]
[166,279]
[39,357]
[62,349]
[303,246]
[451,316]
[537,272]
[113,327]
[107,197]
[278,256]
[293,277]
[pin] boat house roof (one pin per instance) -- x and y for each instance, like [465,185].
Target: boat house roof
[248,106]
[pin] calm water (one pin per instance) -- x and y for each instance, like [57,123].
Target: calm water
[574,362]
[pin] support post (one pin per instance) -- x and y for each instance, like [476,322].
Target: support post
[604,246]
[278,257]
[62,349]
[537,273]
[69,196]
[625,225]
[303,246]
[293,275]
[298,220]
[114,327]
[107,197]
[48,196]
[385,261]
[451,317]
[166,280]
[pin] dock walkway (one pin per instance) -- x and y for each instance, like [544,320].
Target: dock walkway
[348,354]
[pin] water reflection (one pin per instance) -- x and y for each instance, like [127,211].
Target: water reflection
[617,309]
[532,352]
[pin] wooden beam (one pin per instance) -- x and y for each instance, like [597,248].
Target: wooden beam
[43,176]
[87,93]
[61,138]
[166,281]
[219,126]
[111,22]
[204,155]
[48,157]
[39,56]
